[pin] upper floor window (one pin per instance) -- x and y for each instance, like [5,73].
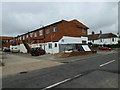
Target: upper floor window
[35,34]
[83,30]
[47,31]
[31,34]
[27,36]
[20,38]
[55,29]
[41,32]
[23,37]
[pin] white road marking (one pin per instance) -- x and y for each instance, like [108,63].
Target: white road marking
[51,86]
[107,63]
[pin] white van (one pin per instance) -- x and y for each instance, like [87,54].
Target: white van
[15,48]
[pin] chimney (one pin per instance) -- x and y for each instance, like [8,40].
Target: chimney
[100,32]
[93,32]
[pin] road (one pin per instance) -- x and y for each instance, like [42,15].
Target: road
[96,72]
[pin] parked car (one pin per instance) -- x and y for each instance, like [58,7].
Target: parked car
[94,51]
[105,48]
[6,50]
[68,51]
[37,51]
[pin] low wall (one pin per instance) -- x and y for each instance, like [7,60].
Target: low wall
[64,55]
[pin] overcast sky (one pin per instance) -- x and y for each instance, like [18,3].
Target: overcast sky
[19,18]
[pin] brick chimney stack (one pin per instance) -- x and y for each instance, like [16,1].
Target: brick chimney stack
[93,32]
[100,32]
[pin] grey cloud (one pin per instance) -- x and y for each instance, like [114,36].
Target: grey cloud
[19,18]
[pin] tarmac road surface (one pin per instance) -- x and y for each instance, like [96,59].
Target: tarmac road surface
[96,72]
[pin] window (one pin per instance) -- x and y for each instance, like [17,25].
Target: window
[50,45]
[55,29]
[23,37]
[55,44]
[31,34]
[92,40]
[100,40]
[40,46]
[41,32]
[6,40]
[113,39]
[47,31]
[83,30]
[83,42]
[27,36]
[20,38]
[35,34]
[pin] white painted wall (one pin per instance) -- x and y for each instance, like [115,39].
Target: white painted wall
[66,39]
[85,39]
[47,49]
[23,48]
[53,49]
[72,40]
[105,41]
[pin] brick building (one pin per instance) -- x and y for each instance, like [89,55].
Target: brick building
[5,41]
[53,33]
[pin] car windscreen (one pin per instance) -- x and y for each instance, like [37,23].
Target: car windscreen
[36,49]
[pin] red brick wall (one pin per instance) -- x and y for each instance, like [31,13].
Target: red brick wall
[64,28]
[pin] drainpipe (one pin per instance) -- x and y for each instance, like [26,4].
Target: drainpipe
[44,37]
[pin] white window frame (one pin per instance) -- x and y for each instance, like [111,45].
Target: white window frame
[31,34]
[83,30]
[50,45]
[35,34]
[23,37]
[56,44]
[20,38]
[55,29]
[41,32]
[47,31]
[27,36]
[113,40]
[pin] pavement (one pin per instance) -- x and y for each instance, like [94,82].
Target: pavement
[50,57]
[16,64]
[96,72]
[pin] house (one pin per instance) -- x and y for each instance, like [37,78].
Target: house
[52,38]
[5,41]
[103,39]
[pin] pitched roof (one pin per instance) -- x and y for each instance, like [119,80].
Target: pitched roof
[43,27]
[93,37]
[101,36]
[5,37]
[108,35]
[79,23]
[73,21]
